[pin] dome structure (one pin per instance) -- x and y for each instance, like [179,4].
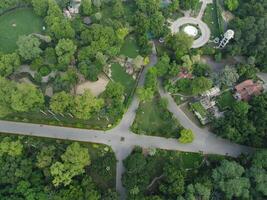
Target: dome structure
[191,30]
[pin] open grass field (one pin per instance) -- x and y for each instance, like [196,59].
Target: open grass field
[130,48]
[119,75]
[153,119]
[15,23]
[225,100]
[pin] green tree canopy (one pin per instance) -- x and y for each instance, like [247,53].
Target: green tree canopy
[74,160]
[28,47]
[186,136]
[26,97]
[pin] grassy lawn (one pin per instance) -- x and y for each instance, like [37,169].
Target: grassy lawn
[130,48]
[119,75]
[153,119]
[213,19]
[16,23]
[225,100]
[199,108]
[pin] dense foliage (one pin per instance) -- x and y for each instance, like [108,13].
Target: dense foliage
[48,169]
[245,123]
[166,175]
[250,31]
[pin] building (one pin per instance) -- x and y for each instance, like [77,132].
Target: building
[247,89]
[184,74]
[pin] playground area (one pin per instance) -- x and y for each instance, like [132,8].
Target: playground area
[96,88]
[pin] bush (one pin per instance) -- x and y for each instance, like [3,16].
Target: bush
[44,71]
[186,136]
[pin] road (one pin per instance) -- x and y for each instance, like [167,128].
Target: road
[122,140]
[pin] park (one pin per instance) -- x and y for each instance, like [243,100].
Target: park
[132,99]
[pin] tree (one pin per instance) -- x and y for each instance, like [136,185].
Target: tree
[257,115]
[163,65]
[201,69]
[87,7]
[6,89]
[118,10]
[11,148]
[29,47]
[84,106]
[198,191]
[240,108]
[26,98]
[65,50]
[151,80]
[173,182]
[57,25]
[45,156]
[90,70]
[157,24]
[65,81]
[9,63]
[186,136]
[179,43]
[200,84]
[61,102]
[138,62]
[247,22]
[97,3]
[228,177]
[40,7]
[227,77]
[231,4]
[74,160]
[145,94]
[114,90]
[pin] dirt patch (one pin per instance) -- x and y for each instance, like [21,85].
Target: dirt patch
[227,16]
[96,87]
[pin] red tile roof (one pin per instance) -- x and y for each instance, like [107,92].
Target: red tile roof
[184,74]
[247,89]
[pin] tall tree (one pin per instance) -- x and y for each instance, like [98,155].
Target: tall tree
[9,63]
[26,97]
[87,7]
[84,106]
[228,177]
[180,44]
[61,102]
[74,160]
[65,50]
[40,7]
[29,47]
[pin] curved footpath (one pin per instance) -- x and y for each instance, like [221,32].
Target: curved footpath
[122,140]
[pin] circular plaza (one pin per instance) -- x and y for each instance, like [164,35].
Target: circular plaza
[188,25]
